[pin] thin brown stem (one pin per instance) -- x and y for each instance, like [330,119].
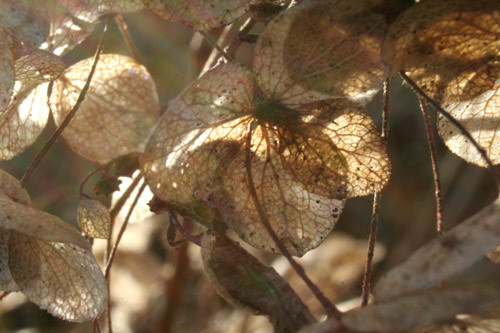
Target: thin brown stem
[122,231]
[216,45]
[431,140]
[4,294]
[86,179]
[55,136]
[242,33]
[325,302]
[372,238]
[122,26]
[456,123]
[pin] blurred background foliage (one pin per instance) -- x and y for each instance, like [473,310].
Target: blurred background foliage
[156,288]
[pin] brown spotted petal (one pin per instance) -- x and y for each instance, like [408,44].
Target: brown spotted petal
[301,219]
[7,69]
[200,14]
[449,47]
[480,116]
[337,154]
[195,136]
[119,110]
[320,50]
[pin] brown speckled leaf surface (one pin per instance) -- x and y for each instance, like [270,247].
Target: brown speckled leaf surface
[448,47]
[200,14]
[119,110]
[10,188]
[7,69]
[320,50]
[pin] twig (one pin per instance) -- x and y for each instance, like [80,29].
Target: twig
[4,294]
[431,140]
[456,123]
[122,26]
[215,43]
[55,136]
[122,231]
[242,33]
[329,307]
[86,179]
[196,239]
[372,238]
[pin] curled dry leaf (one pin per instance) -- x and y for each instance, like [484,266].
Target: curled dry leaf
[62,278]
[480,117]
[7,70]
[244,281]
[444,256]
[322,49]
[119,110]
[423,308]
[71,21]
[304,161]
[93,218]
[200,14]
[27,114]
[449,47]
[11,189]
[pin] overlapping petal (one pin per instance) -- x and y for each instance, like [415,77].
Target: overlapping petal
[449,47]
[320,50]
[200,14]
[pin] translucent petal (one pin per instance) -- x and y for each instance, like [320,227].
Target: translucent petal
[481,118]
[448,47]
[337,154]
[300,219]
[94,218]
[24,120]
[7,70]
[39,66]
[200,14]
[319,50]
[119,110]
[444,256]
[212,109]
[62,278]
[38,224]
[10,188]
[71,21]
[394,316]
[7,283]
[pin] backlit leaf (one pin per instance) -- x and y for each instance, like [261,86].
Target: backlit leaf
[319,50]
[10,188]
[71,21]
[485,322]
[199,14]
[448,47]
[62,278]
[420,309]
[115,6]
[244,281]
[481,118]
[444,256]
[7,70]
[305,161]
[93,218]
[141,211]
[118,112]
[27,114]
